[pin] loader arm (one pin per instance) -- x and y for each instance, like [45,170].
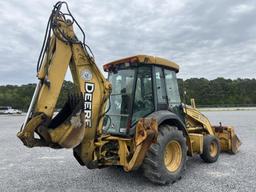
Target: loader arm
[82,116]
[197,123]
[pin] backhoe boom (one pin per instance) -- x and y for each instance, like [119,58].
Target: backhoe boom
[82,116]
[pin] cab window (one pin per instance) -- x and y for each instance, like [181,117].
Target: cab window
[172,88]
[160,89]
[143,100]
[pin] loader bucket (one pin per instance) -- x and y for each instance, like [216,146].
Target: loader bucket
[228,139]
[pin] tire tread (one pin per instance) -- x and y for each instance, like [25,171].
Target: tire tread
[153,169]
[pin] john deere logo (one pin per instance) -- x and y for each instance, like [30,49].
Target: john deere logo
[86,75]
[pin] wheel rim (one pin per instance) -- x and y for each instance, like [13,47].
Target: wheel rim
[213,149]
[173,156]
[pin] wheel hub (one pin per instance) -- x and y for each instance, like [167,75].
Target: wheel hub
[213,149]
[173,156]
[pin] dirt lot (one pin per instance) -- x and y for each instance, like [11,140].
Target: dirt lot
[43,169]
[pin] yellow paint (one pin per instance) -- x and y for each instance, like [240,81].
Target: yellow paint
[173,156]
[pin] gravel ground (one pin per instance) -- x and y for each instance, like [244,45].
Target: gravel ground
[44,169]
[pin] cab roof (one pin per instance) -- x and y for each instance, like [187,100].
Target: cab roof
[145,59]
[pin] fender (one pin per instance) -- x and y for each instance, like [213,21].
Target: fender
[168,117]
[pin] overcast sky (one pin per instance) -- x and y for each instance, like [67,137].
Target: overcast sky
[206,38]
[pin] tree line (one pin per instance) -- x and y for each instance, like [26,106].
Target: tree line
[219,92]
[19,97]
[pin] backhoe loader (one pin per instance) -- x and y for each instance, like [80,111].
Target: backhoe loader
[134,118]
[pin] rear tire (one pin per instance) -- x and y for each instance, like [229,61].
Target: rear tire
[165,160]
[211,149]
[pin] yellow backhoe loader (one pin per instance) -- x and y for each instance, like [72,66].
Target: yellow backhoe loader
[133,119]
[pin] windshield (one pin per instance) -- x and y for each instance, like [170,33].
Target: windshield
[120,100]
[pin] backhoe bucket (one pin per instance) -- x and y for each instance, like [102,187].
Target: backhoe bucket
[67,127]
[65,130]
[228,139]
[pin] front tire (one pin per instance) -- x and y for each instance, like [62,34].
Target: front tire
[211,149]
[165,160]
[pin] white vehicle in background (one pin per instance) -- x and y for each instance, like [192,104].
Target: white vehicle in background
[9,110]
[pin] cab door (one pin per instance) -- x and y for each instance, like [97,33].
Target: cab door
[160,89]
[172,90]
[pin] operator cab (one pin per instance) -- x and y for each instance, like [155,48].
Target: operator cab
[141,85]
